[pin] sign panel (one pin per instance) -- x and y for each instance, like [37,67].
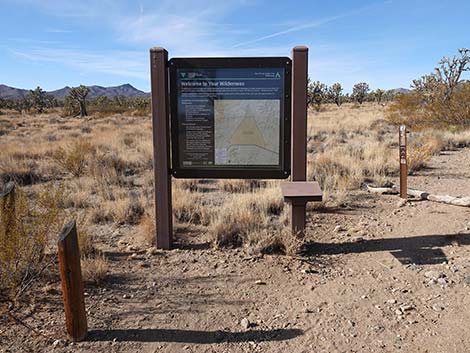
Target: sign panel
[230,117]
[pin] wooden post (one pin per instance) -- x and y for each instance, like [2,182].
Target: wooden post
[299,132]
[72,284]
[403,163]
[161,147]
[7,206]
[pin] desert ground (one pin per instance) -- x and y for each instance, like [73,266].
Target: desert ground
[374,273]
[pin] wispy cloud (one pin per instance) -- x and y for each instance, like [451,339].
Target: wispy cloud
[130,64]
[312,24]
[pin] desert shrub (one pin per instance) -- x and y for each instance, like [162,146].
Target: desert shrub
[25,230]
[189,207]
[440,99]
[94,268]
[74,158]
[420,151]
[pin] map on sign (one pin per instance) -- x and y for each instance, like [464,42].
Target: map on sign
[246,132]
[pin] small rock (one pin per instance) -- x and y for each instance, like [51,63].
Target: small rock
[391,301]
[438,307]
[152,251]
[126,296]
[433,274]
[245,323]
[339,229]
[467,279]
[131,248]
[260,282]
[401,203]
[442,281]
[57,343]
[408,307]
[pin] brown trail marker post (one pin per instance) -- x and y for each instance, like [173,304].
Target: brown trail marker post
[72,284]
[403,163]
[161,147]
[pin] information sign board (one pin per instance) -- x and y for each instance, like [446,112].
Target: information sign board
[230,117]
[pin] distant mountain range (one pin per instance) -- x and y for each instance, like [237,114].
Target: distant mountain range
[125,90]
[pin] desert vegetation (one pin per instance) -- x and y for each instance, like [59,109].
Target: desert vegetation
[439,99]
[101,166]
[92,160]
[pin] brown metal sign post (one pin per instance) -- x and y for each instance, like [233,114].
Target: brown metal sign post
[403,163]
[299,132]
[161,146]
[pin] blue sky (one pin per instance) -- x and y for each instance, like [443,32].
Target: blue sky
[388,43]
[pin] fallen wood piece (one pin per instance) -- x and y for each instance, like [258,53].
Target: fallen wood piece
[382,190]
[422,195]
[457,201]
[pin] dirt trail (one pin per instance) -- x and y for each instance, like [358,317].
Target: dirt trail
[382,277]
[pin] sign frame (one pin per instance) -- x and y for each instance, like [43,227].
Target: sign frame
[281,171]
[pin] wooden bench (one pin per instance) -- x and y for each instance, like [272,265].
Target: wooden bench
[300,192]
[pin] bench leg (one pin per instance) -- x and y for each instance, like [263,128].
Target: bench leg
[298,219]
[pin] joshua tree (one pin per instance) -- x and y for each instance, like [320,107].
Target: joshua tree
[443,82]
[379,95]
[39,99]
[360,91]
[77,97]
[317,93]
[335,93]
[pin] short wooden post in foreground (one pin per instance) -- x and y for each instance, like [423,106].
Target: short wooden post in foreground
[299,132]
[72,284]
[7,206]
[403,163]
[161,146]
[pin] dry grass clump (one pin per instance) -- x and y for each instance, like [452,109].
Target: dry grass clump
[20,170]
[242,220]
[147,229]
[86,242]
[95,268]
[73,159]
[191,207]
[239,185]
[185,184]
[457,139]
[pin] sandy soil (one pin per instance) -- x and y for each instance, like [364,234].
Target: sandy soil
[378,276]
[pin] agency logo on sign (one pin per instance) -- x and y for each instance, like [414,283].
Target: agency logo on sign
[183,74]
